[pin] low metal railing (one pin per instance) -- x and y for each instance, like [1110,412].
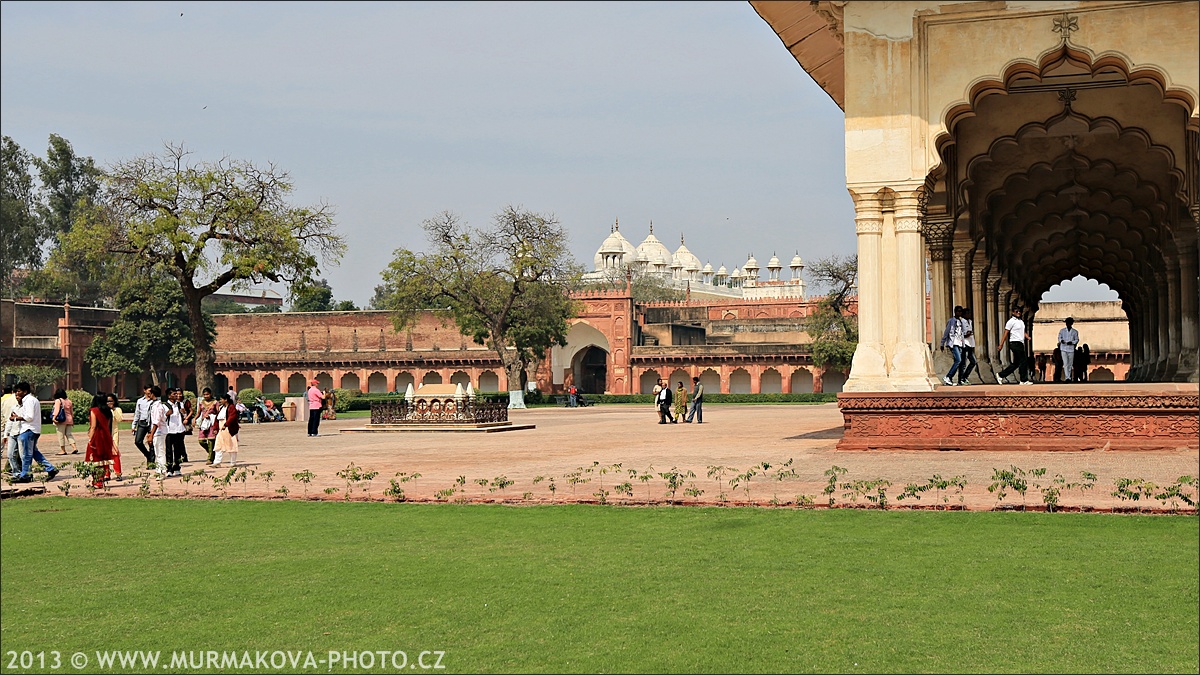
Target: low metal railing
[446,410]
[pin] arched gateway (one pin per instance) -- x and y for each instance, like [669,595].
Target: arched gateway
[1013,146]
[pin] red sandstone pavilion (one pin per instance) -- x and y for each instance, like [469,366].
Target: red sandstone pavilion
[1013,145]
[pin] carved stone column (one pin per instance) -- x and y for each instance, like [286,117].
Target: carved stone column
[868,371]
[939,233]
[983,350]
[996,320]
[960,273]
[912,364]
[1188,302]
[1173,318]
[1159,330]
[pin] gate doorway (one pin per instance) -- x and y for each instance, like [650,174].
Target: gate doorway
[591,370]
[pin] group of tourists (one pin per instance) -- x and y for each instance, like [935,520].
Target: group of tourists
[959,336]
[678,405]
[166,417]
[161,420]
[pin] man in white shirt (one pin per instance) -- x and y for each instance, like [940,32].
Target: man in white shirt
[160,413]
[27,413]
[141,424]
[1014,337]
[1068,338]
[175,432]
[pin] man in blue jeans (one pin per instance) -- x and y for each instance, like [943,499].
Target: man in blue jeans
[28,413]
[952,337]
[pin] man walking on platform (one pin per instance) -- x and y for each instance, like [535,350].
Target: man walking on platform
[1014,337]
[952,337]
[1068,338]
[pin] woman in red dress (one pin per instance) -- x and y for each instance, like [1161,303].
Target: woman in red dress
[100,443]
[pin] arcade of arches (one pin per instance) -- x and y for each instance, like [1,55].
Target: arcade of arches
[993,174]
[613,346]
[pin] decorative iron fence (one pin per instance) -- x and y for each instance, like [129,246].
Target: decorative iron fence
[448,410]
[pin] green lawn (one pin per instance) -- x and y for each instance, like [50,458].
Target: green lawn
[598,589]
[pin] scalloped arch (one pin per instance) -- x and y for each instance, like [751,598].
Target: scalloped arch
[1105,62]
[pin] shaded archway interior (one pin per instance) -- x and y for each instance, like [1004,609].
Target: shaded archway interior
[1071,167]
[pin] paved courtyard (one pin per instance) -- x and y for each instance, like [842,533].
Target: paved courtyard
[737,436]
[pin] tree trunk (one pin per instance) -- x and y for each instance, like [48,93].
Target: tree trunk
[205,358]
[516,396]
[513,367]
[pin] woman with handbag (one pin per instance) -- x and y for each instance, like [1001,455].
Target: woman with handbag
[206,414]
[63,415]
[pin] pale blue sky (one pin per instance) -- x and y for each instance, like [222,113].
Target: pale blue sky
[690,114]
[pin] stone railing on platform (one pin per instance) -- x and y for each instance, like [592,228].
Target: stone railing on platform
[447,410]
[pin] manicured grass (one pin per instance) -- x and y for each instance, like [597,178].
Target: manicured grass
[599,589]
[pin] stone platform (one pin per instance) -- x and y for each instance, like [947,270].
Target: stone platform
[1042,417]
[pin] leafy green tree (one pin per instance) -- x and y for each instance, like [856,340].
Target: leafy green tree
[206,225]
[506,286]
[345,306]
[223,305]
[380,298]
[151,333]
[265,309]
[36,376]
[69,184]
[23,231]
[316,296]
[833,329]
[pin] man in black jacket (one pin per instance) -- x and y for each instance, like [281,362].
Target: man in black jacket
[664,400]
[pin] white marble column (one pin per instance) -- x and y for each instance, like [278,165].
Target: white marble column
[912,364]
[868,371]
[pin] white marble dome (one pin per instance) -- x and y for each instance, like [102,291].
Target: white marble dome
[654,249]
[685,258]
[615,245]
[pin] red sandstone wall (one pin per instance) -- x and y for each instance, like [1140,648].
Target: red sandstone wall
[363,331]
